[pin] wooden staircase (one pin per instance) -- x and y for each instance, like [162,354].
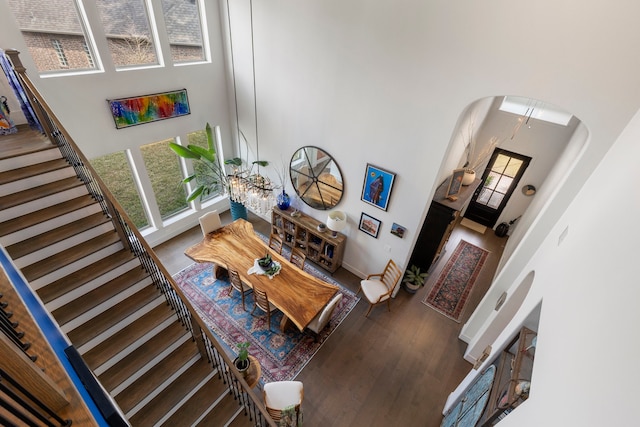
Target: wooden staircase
[100,295]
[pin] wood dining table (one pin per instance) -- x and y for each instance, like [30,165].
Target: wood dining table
[299,295]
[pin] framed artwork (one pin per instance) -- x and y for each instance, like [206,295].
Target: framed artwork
[398,230]
[369,225]
[138,110]
[455,183]
[377,186]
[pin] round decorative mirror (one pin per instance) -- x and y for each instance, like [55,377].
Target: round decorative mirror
[316,178]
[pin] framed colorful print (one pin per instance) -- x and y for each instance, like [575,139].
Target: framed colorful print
[369,225]
[398,230]
[138,110]
[455,183]
[377,186]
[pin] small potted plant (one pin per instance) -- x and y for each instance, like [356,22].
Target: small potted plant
[242,362]
[414,279]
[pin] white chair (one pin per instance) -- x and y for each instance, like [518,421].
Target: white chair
[280,395]
[322,319]
[211,222]
[378,288]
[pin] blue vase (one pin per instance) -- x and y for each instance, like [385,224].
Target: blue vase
[238,210]
[283,200]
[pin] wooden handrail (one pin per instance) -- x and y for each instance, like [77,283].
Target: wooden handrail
[132,238]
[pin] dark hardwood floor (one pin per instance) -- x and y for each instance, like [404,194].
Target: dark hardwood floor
[391,369]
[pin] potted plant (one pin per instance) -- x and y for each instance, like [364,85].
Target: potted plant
[242,362]
[414,279]
[210,175]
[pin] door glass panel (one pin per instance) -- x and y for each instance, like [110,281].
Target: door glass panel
[513,167]
[115,171]
[495,200]
[503,184]
[163,167]
[500,164]
[483,198]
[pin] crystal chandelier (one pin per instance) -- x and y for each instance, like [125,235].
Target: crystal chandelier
[254,191]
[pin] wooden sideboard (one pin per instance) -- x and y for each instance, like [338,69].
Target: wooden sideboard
[302,232]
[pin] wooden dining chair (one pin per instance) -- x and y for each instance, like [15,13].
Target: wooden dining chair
[298,258]
[261,301]
[379,287]
[275,243]
[236,283]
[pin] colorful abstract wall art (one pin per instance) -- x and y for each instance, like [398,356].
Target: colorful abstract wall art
[149,108]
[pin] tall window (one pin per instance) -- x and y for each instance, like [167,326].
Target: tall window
[129,35]
[42,22]
[184,30]
[199,138]
[115,171]
[163,167]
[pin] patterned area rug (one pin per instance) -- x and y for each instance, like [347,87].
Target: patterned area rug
[449,295]
[281,356]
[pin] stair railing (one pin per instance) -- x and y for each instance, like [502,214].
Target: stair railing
[131,238]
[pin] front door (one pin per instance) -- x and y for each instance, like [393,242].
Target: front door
[499,180]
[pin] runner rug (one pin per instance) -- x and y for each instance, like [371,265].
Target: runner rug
[282,355]
[450,292]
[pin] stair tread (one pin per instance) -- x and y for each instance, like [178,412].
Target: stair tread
[172,395]
[107,349]
[56,235]
[25,142]
[88,330]
[42,215]
[35,193]
[78,278]
[241,420]
[98,295]
[32,170]
[141,356]
[201,401]
[156,376]
[55,262]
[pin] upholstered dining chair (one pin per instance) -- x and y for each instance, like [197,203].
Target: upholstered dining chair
[275,243]
[280,395]
[379,287]
[236,283]
[319,322]
[261,301]
[210,222]
[298,258]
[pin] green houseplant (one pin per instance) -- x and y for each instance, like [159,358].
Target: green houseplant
[242,362]
[210,175]
[414,279]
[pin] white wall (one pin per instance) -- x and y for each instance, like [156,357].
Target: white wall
[385,83]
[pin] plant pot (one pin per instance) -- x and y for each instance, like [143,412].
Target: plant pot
[410,287]
[238,210]
[469,177]
[244,368]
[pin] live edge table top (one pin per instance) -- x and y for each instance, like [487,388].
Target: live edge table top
[299,295]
